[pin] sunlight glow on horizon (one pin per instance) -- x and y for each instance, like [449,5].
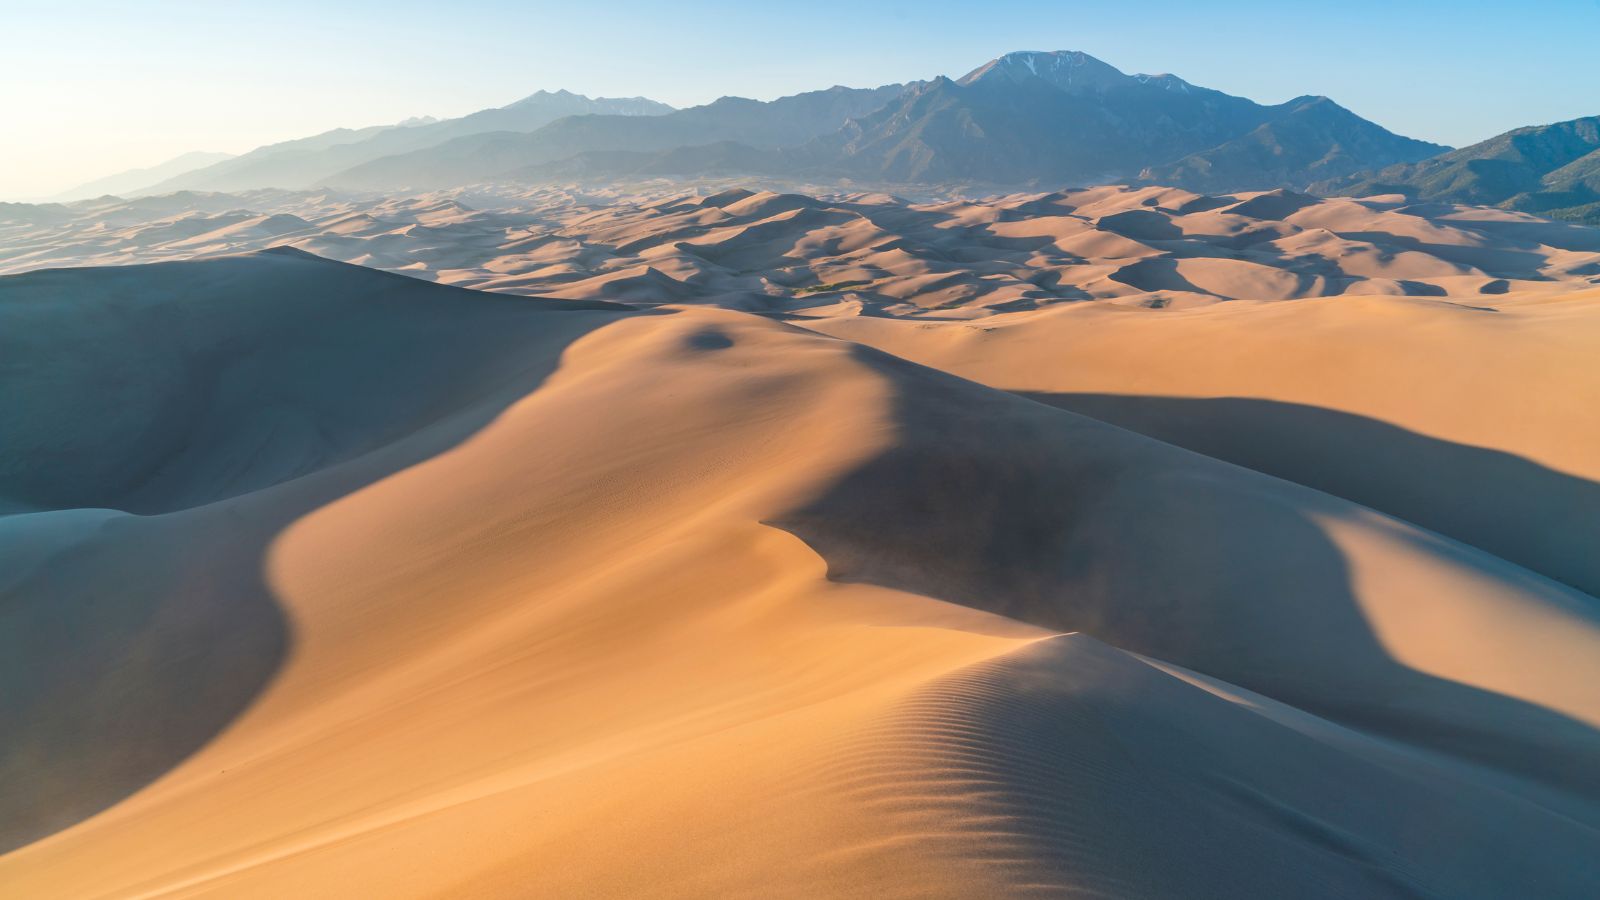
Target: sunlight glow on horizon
[103,87]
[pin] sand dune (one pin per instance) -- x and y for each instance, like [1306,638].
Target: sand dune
[1473,417]
[867,547]
[1153,246]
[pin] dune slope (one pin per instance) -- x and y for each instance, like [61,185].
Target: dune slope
[404,590]
[1473,417]
[154,410]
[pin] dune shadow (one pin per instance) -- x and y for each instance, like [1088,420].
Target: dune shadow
[1539,518]
[1498,262]
[1056,282]
[135,619]
[961,243]
[1072,525]
[1274,206]
[1204,203]
[1421,289]
[1057,761]
[1141,225]
[1549,232]
[1157,274]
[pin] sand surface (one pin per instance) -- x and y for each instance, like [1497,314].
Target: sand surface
[1108,543]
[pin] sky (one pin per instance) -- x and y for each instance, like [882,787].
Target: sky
[90,88]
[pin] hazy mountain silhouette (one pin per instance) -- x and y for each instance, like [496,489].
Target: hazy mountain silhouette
[305,162]
[1023,119]
[135,180]
[1027,118]
[787,121]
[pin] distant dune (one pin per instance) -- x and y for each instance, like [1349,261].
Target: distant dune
[1122,542]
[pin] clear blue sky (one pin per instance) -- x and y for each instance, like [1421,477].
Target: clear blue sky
[89,88]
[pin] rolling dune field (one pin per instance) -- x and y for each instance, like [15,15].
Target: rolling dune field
[1119,542]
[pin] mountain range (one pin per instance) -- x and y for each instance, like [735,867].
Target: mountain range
[1023,119]
[1067,117]
[760,126]
[307,162]
[1027,118]
[135,181]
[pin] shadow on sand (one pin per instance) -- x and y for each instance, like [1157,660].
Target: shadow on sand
[1537,517]
[135,624]
[1066,523]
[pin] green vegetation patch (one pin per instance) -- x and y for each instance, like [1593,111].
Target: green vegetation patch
[831,286]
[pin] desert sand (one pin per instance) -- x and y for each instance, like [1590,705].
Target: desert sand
[1110,543]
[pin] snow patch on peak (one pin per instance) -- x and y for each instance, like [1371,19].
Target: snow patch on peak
[1165,81]
[1066,69]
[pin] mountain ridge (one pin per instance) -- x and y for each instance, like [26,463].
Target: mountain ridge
[1308,142]
[1552,170]
[1022,120]
[759,124]
[1035,119]
[304,162]
[134,180]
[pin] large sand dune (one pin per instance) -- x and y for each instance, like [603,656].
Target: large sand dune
[1241,548]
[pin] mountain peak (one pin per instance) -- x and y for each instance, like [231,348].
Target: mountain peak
[1319,104]
[1165,81]
[577,104]
[1071,70]
[542,95]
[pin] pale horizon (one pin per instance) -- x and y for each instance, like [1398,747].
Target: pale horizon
[149,85]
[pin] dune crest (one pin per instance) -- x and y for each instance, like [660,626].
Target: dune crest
[748,543]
